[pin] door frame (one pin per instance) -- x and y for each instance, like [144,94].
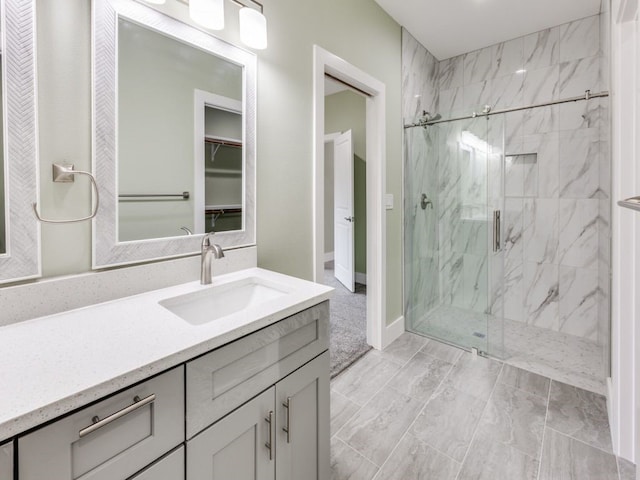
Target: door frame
[326,62]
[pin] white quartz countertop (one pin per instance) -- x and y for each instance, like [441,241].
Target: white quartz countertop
[52,365]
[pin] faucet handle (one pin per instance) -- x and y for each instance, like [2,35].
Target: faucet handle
[207,240]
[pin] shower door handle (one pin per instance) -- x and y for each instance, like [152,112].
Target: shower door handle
[496,230]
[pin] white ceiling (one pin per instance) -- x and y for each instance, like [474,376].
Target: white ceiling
[451,27]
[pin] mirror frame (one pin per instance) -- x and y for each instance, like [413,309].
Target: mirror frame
[107,249]
[22,230]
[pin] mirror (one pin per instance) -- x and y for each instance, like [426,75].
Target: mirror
[174,136]
[19,229]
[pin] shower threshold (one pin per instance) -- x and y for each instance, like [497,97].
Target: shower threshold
[556,355]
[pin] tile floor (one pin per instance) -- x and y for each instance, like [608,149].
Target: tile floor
[424,410]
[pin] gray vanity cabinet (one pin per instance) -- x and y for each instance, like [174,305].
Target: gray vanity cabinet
[241,446]
[302,443]
[6,461]
[281,434]
[170,467]
[112,439]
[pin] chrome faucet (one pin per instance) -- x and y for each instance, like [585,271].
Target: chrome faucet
[209,249]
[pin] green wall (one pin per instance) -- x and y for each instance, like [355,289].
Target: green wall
[347,111]
[356,30]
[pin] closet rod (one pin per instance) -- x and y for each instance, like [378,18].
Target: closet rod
[183,195]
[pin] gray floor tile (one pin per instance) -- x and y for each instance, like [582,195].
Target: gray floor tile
[415,460]
[626,469]
[448,421]
[347,464]
[404,347]
[489,460]
[579,414]
[527,381]
[442,351]
[364,378]
[342,409]
[566,458]
[378,426]
[515,418]
[474,375]
[420,377]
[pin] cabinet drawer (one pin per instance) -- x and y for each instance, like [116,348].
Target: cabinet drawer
[6,461]
[170,467]
[135,427]
[224,379]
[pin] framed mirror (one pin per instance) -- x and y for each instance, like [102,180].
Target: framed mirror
[173,136]
[19,229]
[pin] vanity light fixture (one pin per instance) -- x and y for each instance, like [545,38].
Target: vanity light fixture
[208,13]
[253,27]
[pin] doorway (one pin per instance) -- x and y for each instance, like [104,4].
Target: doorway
[345,235]
[377,334]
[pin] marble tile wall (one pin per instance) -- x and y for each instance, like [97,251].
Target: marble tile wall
[604,227]
[420,93]
[556,177]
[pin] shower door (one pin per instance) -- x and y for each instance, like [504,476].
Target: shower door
[453,203]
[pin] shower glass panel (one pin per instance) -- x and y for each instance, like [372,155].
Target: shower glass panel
[453,260]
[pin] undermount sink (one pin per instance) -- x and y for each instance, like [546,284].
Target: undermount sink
[219,301]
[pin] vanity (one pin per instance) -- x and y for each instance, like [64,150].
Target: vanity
[170,380]
[149,387]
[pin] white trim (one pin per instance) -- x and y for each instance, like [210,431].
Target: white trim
[328,256]
[23,252]
[625,256]
[393,331]
[361,278]
[326,62]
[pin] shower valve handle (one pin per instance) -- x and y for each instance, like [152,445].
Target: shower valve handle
[424,202]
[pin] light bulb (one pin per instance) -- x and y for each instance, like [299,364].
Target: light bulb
[208,13]
[253,28]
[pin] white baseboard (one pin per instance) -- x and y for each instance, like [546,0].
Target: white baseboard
[328,256]
[361,278]
[393,331]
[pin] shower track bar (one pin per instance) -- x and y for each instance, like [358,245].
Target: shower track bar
[587,96]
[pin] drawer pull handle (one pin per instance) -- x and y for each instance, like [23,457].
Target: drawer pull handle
[97,423]
[269,444]
[287,429]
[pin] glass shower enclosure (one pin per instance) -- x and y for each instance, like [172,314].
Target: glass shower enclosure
[453,262]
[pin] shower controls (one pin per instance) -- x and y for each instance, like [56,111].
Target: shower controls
[496,230]
[424,202]
[350,219]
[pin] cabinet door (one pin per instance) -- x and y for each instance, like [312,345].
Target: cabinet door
[222,380]
[302,401]
[6,461]
[241,446]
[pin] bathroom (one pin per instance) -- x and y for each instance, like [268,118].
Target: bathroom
[63,269]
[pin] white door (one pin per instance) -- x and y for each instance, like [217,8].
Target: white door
[343,219]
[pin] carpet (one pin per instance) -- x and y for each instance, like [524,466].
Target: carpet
[348,337]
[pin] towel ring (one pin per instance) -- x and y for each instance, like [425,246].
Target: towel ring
[66,174]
